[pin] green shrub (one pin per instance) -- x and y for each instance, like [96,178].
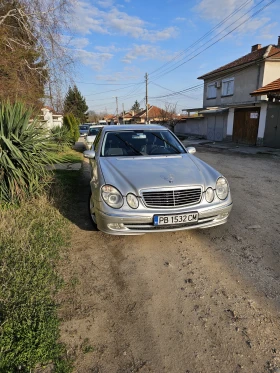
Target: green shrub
[24,153]
[61,136]
[31,239]
[72,124]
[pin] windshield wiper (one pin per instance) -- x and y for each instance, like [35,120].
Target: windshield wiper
[128,144]
[167,142]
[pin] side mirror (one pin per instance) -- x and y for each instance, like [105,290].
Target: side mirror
[89,154]
[191,150]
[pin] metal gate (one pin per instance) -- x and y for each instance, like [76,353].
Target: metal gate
[215,127]
[272,126]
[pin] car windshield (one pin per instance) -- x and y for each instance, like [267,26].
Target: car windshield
[84,128]
[140,143]
[93,131]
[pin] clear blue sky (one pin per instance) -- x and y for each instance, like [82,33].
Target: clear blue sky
[115,42]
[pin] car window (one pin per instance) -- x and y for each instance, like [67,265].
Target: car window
[97,140]
[140,143]
[84,128]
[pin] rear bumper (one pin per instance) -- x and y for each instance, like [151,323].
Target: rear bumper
[137,224]
[88,145]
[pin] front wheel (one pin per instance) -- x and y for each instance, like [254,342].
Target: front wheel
[92,212]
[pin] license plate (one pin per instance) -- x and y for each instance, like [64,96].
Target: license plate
[191,217]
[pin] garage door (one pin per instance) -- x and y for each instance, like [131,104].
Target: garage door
[215,127]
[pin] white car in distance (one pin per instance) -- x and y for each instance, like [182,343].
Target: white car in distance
[89,139]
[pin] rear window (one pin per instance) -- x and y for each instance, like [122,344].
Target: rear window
[84,127]
[93,131]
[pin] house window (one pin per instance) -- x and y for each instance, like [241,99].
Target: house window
[227,87]
[211,90]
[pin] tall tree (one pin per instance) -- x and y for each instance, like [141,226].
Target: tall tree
[32,48]
[75,103]
[136,107]
[23,72]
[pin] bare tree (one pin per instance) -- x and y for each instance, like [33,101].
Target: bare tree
[93,117]
[169,115]
[35,27]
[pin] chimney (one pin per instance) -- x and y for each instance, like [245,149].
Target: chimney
[278,41]
[256,47]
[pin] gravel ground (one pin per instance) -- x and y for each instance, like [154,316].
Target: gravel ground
[199,301]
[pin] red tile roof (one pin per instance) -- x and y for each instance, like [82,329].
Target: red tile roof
[269,51]
[154,112]
[109,116]
[271,87]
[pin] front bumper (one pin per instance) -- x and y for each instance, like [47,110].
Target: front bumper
[140,223]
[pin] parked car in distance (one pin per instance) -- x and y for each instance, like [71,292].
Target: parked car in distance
[144,180]
[83,129]
[90,137]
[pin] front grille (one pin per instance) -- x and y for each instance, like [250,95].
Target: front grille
[172,198]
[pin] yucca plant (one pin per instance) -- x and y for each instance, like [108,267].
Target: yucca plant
[24,153]
[61,137]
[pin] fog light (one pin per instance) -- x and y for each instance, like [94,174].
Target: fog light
[116,226]
[223,216]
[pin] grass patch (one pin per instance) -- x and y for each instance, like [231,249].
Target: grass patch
[68,155]
[32,236]
[68,182]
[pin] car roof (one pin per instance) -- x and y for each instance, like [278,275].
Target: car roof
[134,127]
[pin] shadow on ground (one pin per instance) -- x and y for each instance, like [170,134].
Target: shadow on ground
[71,193]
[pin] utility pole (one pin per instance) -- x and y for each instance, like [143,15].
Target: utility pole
[117,109]
[147,105]
[123,113]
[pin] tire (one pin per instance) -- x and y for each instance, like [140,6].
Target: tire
[91,215]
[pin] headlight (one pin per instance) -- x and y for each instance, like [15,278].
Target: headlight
[132,201]
[222,188]
[209,195]
[112,196]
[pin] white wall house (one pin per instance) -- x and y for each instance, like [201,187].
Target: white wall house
[50,118]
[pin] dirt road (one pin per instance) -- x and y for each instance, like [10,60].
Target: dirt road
[200,301]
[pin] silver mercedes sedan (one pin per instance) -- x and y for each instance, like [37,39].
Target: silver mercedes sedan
[144,180]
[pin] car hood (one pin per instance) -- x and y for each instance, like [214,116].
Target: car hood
[133,174]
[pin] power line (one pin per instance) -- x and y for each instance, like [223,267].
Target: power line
[203,37]
[170,90]
[196,87]
[209,46]
[110,83]
[111,90]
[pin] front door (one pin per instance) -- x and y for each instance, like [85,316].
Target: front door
[246,125]
[272,127]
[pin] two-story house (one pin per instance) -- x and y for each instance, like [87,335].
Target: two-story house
[230,112]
